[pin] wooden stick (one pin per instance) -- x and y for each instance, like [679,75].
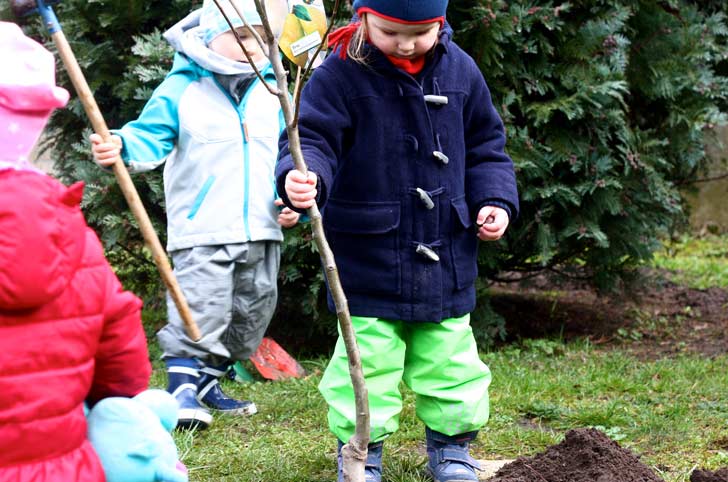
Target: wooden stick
[354,451]
[126,184]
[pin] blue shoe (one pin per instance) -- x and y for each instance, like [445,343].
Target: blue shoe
[210,393]
[183,374]
[373,466]
[449,457]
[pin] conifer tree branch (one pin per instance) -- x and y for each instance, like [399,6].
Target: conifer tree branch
[717,177]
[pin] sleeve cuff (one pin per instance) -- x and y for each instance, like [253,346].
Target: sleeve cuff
[499,204]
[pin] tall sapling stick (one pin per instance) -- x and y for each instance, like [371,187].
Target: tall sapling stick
[354,452]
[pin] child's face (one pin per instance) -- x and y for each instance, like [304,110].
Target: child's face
[401,40]
[227,46]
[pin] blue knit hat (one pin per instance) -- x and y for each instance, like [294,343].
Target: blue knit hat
[405,11]
[214,24]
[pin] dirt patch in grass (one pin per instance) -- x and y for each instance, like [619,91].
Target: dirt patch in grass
[585,455]
[652,317]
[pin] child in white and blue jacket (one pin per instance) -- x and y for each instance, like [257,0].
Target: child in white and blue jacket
[406,158]
[215,126]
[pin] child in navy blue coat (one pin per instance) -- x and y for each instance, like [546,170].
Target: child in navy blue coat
[406,158]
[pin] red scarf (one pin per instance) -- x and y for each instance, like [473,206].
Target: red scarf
[411,66]
[341,38]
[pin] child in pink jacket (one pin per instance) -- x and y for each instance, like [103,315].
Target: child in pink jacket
[69,334]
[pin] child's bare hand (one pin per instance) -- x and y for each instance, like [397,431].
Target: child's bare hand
[287,217]
[492,223]
[105,153]
[301,188]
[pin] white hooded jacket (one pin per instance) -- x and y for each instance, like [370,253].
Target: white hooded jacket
[220,155]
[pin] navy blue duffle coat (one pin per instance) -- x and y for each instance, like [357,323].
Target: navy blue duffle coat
[404,164]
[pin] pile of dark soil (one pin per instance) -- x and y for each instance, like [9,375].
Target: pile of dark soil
[708,476]
[585,455]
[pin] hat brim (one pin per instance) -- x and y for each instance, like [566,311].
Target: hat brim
[32,98]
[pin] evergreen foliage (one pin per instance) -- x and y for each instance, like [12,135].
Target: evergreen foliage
[607,105]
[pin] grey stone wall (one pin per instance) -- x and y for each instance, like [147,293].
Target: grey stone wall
[709,206]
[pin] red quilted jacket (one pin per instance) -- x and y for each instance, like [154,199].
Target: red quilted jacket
[68,332]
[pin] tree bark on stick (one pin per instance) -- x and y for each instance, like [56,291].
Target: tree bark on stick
[354,452]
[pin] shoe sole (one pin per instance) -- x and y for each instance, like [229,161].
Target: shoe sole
[429,472]
[191,418]
[249,410]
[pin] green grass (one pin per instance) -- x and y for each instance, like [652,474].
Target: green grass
[672,412]
[696,262]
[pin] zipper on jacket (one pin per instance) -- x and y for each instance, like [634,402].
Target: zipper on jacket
[239,110]
[246,167]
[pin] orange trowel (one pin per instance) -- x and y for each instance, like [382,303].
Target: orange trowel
[272,362]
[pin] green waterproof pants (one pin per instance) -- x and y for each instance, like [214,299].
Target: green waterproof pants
[438,361]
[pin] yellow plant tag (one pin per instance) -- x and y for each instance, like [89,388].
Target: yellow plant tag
[303,30]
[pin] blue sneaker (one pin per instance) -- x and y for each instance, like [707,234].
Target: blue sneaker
[449,457]
[373,466]
[183,374]
[210,393]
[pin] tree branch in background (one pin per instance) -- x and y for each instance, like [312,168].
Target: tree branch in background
[299,87]
[717,177]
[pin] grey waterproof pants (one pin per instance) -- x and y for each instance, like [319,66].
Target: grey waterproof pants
[232,293]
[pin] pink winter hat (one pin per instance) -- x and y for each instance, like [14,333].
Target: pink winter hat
[28,93]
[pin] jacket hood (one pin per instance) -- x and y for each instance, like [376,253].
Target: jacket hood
[42,238]
[188,38]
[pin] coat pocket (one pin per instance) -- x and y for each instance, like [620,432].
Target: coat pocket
[364,239]
[464,245]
